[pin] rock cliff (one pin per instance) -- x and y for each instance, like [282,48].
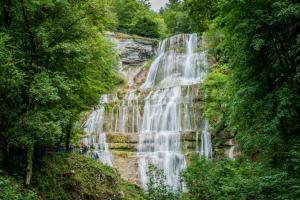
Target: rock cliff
[159,122]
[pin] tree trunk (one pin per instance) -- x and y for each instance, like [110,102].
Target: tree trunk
[6,158]
[68,136]
[29,165]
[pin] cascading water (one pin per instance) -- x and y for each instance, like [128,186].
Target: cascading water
[162,112]
[206,148]
[177,63]
[166,113]
[231,153]
[95,137]
[125,115]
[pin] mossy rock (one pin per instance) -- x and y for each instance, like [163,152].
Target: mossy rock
[74,176]
[122,138]
[137,38]
[123,146]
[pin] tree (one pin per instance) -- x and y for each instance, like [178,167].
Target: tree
[253,92]
[227,179]
[135,17]
[146,27]
[176,17]
[157,187]
[56,63]
[201,12]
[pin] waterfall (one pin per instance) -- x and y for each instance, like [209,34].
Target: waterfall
[167,114]
[160,114]
[231,151]
[206,148]
[177,63]
[95,138]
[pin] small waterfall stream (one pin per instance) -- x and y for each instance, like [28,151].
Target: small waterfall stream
[95,137]
[162,111]
[206,148]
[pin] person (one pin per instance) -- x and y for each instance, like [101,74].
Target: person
[85,149]
[95,155]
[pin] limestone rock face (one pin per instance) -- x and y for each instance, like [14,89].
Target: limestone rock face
[124,149]
[224,144]
[159,121]
[134,53]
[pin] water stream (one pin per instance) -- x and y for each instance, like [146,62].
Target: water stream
[167,113]
[163,110]
[95,138]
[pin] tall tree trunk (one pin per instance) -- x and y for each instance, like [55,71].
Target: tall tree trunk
[6,12]
[6,158]
[29,165]
[68,136]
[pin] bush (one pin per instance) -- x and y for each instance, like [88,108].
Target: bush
[157,187]
[12,190]
[227,179]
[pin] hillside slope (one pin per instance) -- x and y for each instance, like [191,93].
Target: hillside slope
[74,176]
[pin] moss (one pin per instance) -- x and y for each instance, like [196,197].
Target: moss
[74,176]
[119,153]
[123,147]
[136,37]
[149,63]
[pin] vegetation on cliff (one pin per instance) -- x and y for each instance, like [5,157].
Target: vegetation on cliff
[136,17]
[55,62]
[253,92]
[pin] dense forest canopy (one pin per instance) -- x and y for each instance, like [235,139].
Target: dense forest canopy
[253,91]
[53,54]
[55,62]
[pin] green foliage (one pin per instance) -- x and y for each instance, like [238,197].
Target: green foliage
[201,12]
[176,17]
[12,190]
[157,187]
[261,69]
[226,179]
[253,92]
[217,94]
[146,27]
[54,64]
[135,17]
[74,176]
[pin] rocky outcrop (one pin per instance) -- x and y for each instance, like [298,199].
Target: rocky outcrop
[134,53]
[224,144]
[136,120]
[123,117]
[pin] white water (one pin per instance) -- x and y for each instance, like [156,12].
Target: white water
[178,63]
[125,115]
[167,112]
[161,111]
[206,148]
[95,138]
[231,151]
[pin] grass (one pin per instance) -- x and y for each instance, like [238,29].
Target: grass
[74,176]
